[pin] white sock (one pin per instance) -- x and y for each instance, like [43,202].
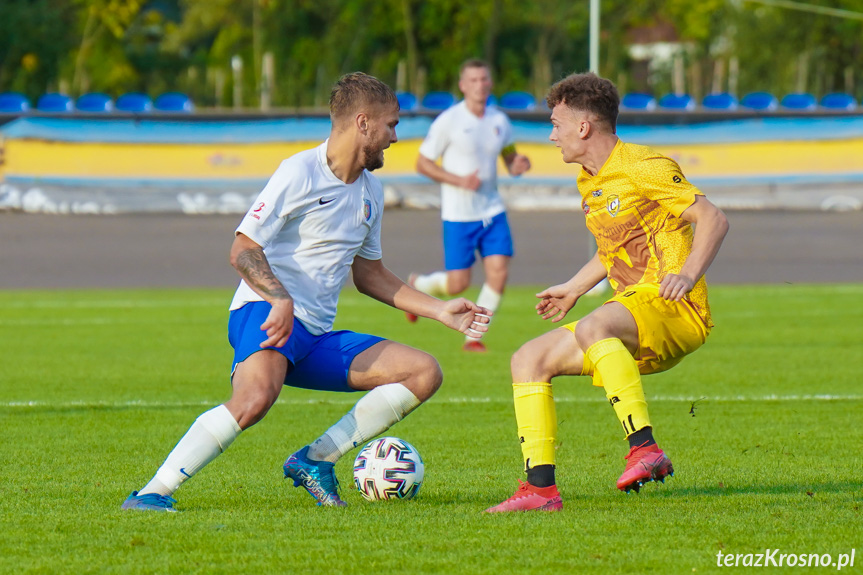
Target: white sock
[488,298]
[373,414]
[210,435]
[433,284]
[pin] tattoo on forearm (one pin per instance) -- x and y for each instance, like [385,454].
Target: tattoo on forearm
[253,266]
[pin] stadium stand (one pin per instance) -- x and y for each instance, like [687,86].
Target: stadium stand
[174,102]
[759,101]
[95,102]
[719,101]
[798,101]
[677,102]
[438,100]
[54,102]
[134,102]
[517,101]
[638,101]
[407,101]
[13,102]
[838,101]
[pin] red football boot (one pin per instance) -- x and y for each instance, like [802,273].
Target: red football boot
[644,464]
[530,498]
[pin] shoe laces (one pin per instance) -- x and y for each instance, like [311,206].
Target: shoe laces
[156,499]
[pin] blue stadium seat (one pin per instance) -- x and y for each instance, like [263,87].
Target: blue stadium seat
[174,102]
[759,101]
[638,101]
[438,100]
[13,102]
[517,101]
[407,101]
[677,102]
[719,101]
[96,102]
[134,102]
[838,101]
[799,101]
[54,102]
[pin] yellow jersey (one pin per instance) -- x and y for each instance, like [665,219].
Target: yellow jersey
[632,207]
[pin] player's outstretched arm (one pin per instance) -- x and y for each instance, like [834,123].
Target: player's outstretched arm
[431,169]
[711,225]
[249,260]
[373,279]
[556,301]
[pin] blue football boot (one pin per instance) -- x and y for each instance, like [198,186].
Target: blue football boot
[149,502]
[318,478]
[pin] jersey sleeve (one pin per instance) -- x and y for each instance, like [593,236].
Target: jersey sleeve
[507,139]
[436,140]
[371,248]
[274,204]
[663,181]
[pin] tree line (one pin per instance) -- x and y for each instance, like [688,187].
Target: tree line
[287,53]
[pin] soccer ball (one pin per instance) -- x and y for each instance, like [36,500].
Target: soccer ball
[388,468]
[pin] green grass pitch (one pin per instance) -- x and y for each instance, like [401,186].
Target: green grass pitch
[764,425]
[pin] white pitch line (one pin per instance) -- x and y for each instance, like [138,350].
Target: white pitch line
[351,399]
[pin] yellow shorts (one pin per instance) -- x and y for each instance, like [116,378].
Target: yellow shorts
[667,330]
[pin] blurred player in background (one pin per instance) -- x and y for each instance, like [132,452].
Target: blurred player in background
[318,219]
[468,138]
[641,210]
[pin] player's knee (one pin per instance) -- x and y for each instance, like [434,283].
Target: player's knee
[588,331]
[528,363]
[457,284]
[428,377]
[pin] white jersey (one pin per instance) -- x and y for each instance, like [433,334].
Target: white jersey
[466,144]
[311,226]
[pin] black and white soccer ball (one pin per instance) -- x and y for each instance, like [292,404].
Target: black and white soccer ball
[388,468]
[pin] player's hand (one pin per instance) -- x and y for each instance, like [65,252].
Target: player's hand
[674,287]
[465,316]
[279,323]
[520,164]
[471,182]
[556,302]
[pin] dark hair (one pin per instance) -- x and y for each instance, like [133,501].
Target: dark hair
[356,91]
[588,93]
[473,63]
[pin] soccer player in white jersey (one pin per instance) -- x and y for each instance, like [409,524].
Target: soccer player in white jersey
[468,138]
[317,219]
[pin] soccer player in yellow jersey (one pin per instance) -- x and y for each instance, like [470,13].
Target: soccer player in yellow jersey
[641,209]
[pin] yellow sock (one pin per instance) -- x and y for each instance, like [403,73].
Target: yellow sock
[622,382]
[536,417]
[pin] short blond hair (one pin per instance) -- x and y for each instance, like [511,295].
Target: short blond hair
[358,91]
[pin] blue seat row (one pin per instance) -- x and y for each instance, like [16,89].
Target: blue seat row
[441,100]
[763,101]
[97,102]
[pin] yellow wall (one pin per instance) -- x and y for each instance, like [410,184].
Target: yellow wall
[84,160]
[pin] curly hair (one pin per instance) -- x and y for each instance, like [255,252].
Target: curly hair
[588,93]
[356,91]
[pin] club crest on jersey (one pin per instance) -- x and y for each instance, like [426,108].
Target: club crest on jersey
[613,205]
[367,209]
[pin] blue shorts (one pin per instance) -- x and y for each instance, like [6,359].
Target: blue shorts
[318,362]
[461,240]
